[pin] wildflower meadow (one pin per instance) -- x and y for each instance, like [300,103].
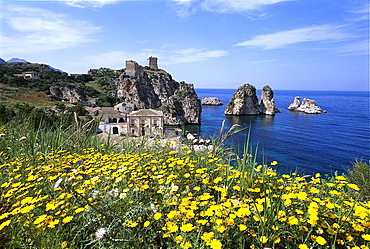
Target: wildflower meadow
[90,195]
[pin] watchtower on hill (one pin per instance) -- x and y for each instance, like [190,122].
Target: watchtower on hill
[133,69]
[153,62]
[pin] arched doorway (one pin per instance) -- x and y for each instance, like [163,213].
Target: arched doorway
[115,130]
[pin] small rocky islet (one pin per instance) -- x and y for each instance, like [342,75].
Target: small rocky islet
[245,102]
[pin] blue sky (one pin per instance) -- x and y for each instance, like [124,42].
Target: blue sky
[287,44]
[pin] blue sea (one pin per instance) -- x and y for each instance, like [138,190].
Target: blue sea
[310,143]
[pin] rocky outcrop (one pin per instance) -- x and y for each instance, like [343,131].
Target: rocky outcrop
[71,94]
[211,101]
[157,90]
[267,103]
[245,102]
[308,106]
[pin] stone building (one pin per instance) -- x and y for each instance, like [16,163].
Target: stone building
[153,62]
[28,75]
[145,122]
[133,69]
[121,120]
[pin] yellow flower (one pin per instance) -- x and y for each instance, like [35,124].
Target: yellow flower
[187,227]
[242,227]
[40,219]
[79,210]
[64,244]
[26,209]
[353,186]
[67,219]
[208,236]
[157,216]
[187,175]
[4,224]
[320,240]
[185,245]
[178,239]
[53,223]
[292,220]
[366,237]
[263,239]
[303,246]
[277,240]
[215,244]
[146,223]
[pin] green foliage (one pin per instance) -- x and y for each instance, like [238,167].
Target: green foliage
[266,88]
[360,175]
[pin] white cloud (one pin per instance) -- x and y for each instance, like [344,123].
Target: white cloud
[355,48]
[322,33]
[193,55]
[89,4]
[34,30]
[237,5]
[221,6]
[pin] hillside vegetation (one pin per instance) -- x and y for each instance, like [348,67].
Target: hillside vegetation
[101,83]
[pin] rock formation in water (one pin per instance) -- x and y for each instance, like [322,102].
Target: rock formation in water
[245,102]
[308,106]
[157,90]
[211,101]
[267,103]
[71,94]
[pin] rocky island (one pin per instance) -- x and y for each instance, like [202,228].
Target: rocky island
[211,101]
[245,102]
[308,106]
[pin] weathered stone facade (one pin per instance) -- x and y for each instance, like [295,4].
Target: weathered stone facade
[133,69]
[153,62]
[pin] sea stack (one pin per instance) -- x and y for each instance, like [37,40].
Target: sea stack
[308,106]
[245,102]
[267,103]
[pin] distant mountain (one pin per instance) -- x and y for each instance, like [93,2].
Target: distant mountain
[16,60]
[55,69]
[22,60]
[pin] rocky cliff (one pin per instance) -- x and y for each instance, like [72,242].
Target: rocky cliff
[71,94]
[267,103]
[245,102]
[157,90]
[308,106]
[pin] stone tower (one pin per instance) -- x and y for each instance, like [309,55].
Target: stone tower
[133,69]
[153,62]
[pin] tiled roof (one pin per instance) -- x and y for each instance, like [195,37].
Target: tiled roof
[145,112]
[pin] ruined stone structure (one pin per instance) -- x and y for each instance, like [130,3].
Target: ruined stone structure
[153,62]
[133,69]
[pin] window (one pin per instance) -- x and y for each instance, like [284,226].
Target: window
[132,122]
[155,122]
[143,122]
